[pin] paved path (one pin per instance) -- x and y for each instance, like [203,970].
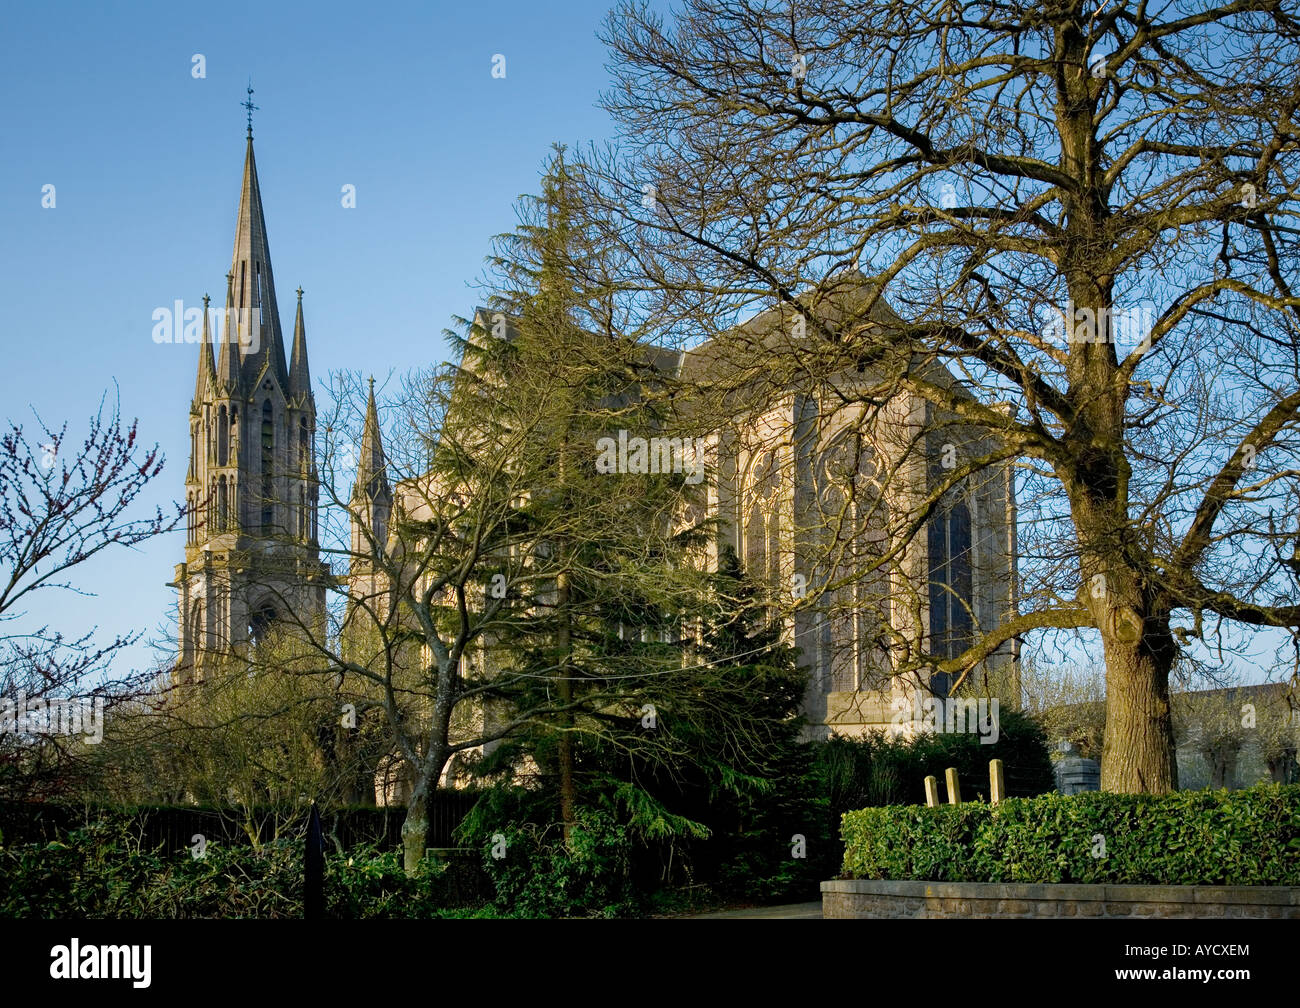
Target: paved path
[790,911]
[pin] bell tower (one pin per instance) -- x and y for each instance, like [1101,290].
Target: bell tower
[252,559]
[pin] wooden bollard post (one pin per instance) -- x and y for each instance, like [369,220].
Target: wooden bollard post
[932,791]
[954,790]
[997,783]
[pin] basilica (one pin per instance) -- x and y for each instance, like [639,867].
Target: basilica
[814,491]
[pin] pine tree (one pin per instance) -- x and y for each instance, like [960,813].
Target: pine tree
[562,369]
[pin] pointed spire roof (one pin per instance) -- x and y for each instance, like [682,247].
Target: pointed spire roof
[228,370]
[372,474]
[299,372]
[207,370]
[254,284]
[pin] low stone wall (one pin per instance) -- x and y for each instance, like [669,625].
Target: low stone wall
[890,899]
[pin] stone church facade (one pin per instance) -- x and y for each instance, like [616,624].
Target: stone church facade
[812,493]
[814,490]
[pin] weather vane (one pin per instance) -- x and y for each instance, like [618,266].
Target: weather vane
[248,104]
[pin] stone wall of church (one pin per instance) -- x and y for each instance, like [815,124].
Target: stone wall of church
[783,486]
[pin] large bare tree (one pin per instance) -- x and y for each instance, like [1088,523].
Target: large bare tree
[1085,209]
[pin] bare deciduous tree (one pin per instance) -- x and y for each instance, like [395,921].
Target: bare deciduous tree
[61,505]
[1086,209]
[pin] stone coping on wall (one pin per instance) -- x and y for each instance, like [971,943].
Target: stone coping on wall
[850,898]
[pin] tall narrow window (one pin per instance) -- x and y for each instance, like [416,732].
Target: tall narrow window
[774,548]
[959,565]
[951,581]
[304,449]
[872,587]
[937,537]
[268,465]
[223,437]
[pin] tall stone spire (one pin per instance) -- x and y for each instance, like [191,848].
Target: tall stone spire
[228,370]
[253,282]
[207,370]
[372,497]
[252,556]
[299,372]
[372,467]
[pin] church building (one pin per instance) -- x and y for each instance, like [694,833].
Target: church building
[811,491]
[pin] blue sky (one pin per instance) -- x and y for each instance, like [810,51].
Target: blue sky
[397,100]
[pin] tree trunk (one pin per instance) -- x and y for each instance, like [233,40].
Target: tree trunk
[415,828]
[1138,751]
[568,792]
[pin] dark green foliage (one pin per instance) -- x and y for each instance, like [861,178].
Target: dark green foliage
[743,775]
[101,871]
[1249,837]
[713,795]
[876,770]
[540,876]
[173,826]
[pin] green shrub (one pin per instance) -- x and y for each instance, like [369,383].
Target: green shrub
[877,770]
[1249,837]
[103,871]
[540,876]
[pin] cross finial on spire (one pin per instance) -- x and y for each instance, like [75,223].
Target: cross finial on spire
[299,293]
[372,384]
[248,104]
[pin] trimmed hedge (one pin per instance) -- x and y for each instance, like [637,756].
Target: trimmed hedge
[1249,837]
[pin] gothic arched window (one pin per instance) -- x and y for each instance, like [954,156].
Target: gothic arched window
[259,624]
[851,518]
[951,581]
[761,545]
[268,465]
[223,437]
[223,514]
